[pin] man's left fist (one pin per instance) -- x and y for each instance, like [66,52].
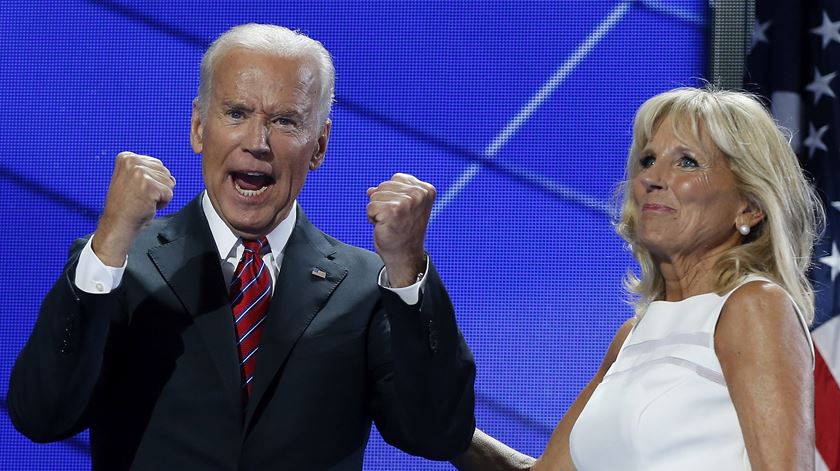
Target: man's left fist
[399,210]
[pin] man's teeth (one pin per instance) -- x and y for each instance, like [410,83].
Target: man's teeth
[244,192]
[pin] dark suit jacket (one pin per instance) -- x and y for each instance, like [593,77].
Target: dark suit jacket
[152,368]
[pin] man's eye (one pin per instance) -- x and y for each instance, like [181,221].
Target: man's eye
[283,121]
[236,114]
[687,161]
[646,161]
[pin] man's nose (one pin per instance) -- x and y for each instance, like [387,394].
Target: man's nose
[257,140]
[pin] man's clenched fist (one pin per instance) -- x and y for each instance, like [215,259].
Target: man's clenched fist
[140,185]
[399,209]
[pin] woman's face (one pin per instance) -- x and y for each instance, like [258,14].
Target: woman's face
[685,198]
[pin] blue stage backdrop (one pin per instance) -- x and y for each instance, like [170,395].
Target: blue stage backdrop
[518,112]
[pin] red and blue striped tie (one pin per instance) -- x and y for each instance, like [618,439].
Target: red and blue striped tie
[250,293]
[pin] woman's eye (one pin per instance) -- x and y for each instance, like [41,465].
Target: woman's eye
[646,161]
[687,161]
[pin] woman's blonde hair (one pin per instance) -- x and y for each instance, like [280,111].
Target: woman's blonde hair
[766,172]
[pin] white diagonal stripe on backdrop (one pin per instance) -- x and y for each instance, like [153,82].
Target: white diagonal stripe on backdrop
[667,7]
[559,76]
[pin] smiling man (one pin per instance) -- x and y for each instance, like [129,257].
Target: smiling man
[234,334]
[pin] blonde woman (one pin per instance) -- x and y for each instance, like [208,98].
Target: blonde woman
[715,369]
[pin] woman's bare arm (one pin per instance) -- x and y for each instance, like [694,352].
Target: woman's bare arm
[766,361]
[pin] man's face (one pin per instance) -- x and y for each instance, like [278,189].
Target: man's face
[259,138]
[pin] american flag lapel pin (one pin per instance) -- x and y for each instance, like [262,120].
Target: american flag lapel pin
[319,273]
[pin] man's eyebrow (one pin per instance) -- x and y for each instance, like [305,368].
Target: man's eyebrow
[288,113]
[235,104]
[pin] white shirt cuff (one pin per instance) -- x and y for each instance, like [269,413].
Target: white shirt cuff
[409,294]
[93,276]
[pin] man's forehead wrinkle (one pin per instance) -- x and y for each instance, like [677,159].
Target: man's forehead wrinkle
[267,84]
[272,100]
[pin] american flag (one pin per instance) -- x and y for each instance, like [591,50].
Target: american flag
[795,61]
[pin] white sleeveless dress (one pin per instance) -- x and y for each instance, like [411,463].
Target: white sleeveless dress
[664,405]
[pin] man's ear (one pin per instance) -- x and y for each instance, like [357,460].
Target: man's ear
[196,129]
[321,148]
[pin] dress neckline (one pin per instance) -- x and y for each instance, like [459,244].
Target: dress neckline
[663,302]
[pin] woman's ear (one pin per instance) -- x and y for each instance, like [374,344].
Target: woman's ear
[750,215]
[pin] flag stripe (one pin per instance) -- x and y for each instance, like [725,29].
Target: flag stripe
[827,413]
[820,464]
[827,339]
[795,60]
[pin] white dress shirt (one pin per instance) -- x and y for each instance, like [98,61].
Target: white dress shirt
[93,276]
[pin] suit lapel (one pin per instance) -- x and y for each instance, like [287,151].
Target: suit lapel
[298,296]
[189,262]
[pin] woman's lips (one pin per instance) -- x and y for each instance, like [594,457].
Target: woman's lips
[656,207]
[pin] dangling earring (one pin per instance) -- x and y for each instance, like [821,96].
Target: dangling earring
[744,229]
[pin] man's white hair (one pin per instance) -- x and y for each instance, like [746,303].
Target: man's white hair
[275,40]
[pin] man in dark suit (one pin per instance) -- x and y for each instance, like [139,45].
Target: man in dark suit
[141,338]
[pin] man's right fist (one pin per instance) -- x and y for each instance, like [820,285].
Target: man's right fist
[140,185]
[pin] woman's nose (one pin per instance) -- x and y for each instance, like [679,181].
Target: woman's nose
[653,178]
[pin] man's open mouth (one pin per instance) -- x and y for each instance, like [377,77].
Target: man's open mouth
[251,183]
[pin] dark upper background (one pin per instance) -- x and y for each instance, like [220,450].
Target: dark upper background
[518,112]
